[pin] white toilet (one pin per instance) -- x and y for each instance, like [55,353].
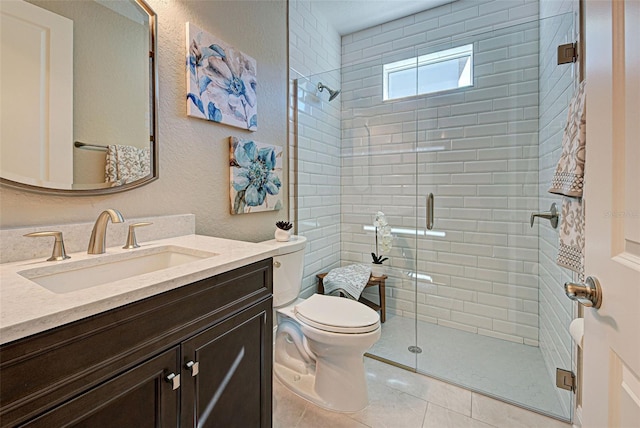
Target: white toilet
[320,342]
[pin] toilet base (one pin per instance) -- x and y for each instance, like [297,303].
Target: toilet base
[323,367]
[303,385]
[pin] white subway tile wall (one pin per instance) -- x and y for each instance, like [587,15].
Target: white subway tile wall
[314,124]
[487,153]
[477,153]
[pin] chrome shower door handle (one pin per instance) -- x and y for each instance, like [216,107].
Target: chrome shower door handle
[429,216]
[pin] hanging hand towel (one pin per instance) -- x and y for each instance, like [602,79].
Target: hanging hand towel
[568,179]
[571,248]
[126,164]
[349,280]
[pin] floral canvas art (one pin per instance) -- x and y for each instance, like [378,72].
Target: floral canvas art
[221,81]
[256,176]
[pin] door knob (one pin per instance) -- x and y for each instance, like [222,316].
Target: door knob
[588,293]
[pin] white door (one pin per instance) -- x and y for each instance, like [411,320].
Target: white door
[611,371]
[36,120]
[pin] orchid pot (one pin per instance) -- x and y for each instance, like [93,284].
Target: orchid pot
[378,269]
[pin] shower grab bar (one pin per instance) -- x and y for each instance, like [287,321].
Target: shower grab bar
[429,217]
[406,231]
[368,152]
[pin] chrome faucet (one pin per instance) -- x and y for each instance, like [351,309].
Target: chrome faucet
[99,232]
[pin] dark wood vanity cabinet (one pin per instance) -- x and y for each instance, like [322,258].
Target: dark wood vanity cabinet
[232,394]
[199,355]
[139,397]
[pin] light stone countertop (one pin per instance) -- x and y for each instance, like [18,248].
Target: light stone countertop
[27,308]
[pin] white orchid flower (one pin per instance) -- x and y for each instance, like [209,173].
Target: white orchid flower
[384,238]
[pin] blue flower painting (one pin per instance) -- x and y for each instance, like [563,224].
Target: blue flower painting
[256,176]
[221,81]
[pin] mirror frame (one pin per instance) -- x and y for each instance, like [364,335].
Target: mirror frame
[153,137]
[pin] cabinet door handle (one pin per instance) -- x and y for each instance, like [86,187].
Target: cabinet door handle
[194,367]
[174,380]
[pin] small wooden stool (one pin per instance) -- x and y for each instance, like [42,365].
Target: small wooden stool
[373,280]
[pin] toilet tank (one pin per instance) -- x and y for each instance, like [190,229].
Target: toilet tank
[288,265]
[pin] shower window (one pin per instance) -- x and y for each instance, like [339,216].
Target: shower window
[426,74]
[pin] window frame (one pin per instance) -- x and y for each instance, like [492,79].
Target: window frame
[415,63]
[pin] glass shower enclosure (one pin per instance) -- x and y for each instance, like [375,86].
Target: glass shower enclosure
[472,294]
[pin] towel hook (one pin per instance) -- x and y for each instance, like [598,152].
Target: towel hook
[551,215]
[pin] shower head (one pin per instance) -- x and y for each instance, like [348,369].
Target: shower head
[332,93]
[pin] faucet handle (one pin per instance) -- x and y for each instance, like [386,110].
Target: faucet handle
[58,245]
[131,237]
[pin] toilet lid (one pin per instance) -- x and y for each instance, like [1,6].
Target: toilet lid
[337,314]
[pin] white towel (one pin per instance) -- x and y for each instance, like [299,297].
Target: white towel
[126,164]
[349,280]
[568,179]
[571,247]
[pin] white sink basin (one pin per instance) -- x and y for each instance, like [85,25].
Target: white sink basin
[73,276]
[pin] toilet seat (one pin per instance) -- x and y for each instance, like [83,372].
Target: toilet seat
[337,315]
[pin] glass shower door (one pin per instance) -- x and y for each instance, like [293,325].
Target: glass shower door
[483,157]
[476,299]
[379,171]
[353,163]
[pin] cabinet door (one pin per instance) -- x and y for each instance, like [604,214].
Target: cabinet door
[232,386]
[139,397]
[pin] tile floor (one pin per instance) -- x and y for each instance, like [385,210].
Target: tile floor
[496,367]
[402,399]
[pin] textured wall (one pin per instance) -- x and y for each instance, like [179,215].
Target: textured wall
[194,154]
[477,153]
[314,50]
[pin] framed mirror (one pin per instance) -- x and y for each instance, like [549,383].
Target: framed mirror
[78,84]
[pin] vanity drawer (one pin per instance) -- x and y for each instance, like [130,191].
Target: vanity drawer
[43,370]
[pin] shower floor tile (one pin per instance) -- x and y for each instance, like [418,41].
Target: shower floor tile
[507,370]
